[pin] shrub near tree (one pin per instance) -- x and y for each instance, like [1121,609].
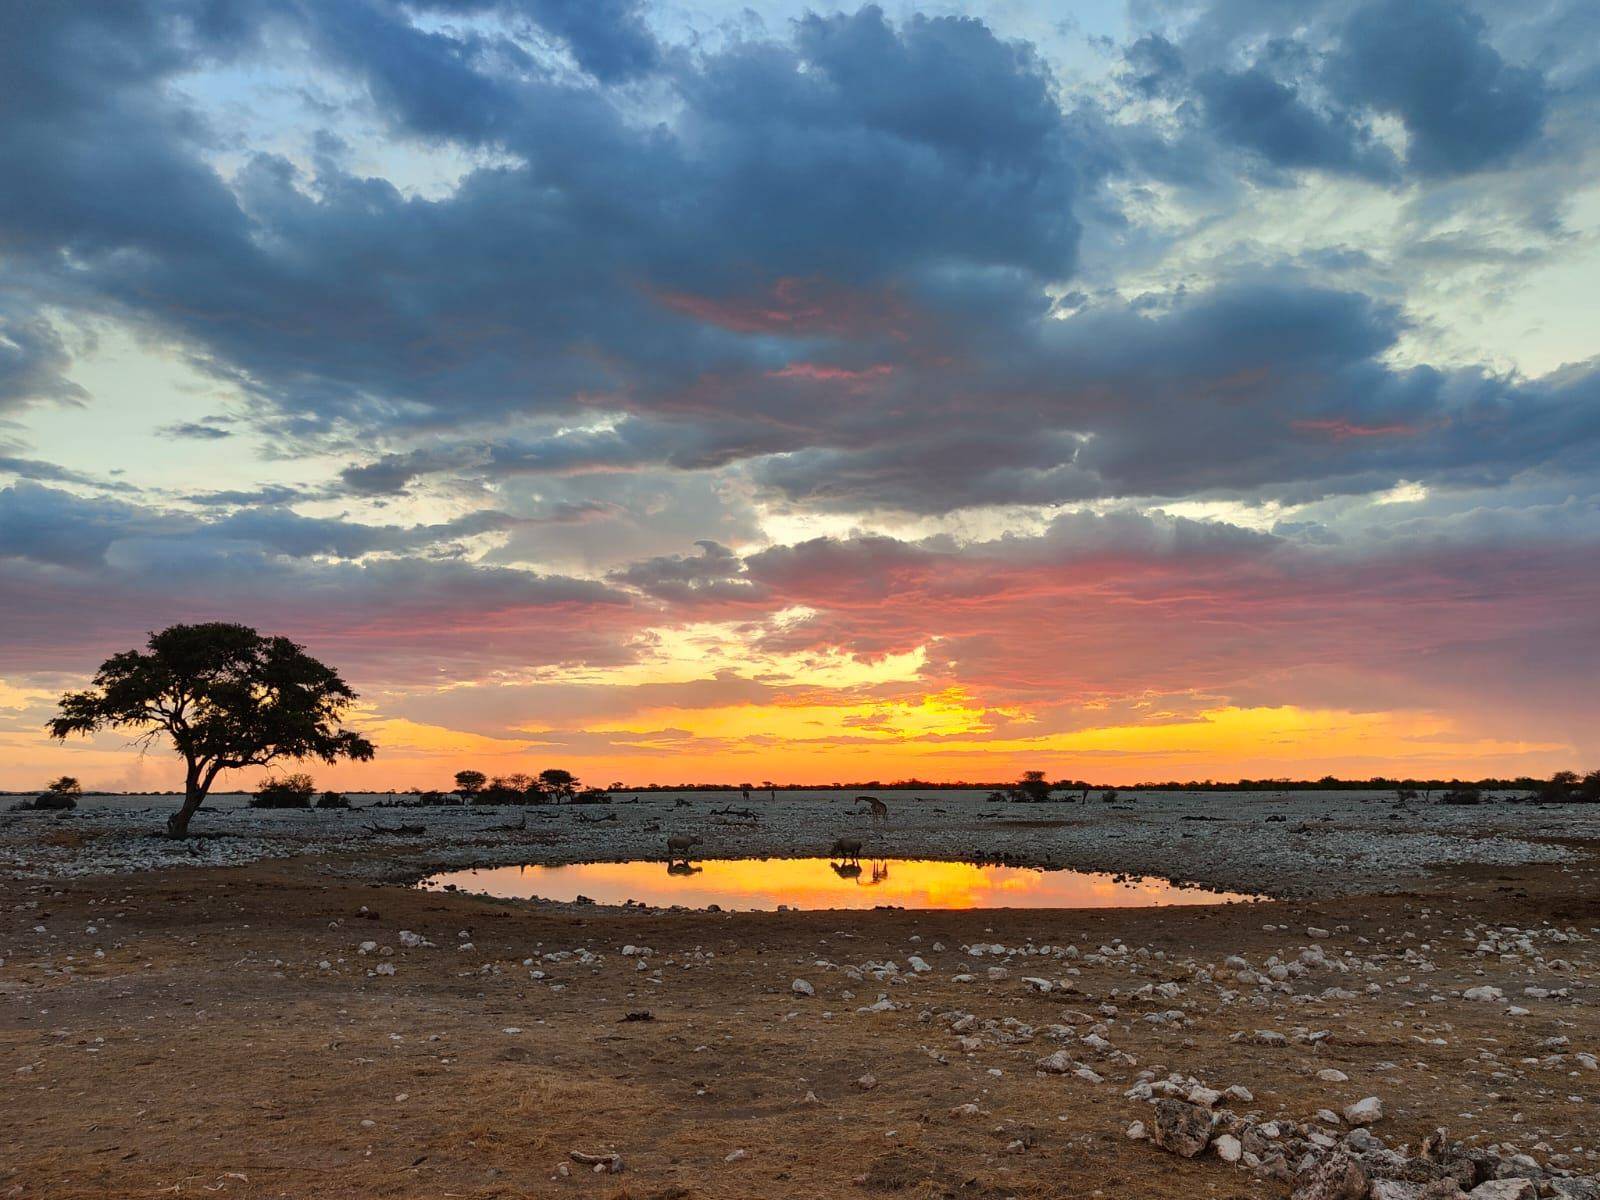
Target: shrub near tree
[226,697]
[288,791]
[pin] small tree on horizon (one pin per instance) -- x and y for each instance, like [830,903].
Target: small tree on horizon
[1035,786]
[470,783]
[560,784]
[226,696]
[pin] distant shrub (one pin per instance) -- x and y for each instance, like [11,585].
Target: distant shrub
[333,800]
[437,800]
[592,796]
[60,796]
[1565,787]
[1464,795]
[289,791]
[497,794]
[1108,796]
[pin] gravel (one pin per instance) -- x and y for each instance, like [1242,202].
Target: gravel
[1306,844]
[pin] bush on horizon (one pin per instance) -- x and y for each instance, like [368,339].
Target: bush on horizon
[288,791]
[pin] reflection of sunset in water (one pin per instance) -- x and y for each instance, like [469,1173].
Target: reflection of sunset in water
[818,883]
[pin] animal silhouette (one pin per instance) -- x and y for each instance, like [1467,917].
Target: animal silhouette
[679,845]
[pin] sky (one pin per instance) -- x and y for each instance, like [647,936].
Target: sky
[718,391]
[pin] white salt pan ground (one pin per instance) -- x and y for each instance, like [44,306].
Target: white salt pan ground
[1285,844]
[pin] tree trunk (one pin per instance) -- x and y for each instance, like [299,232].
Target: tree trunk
[178,822]
[194,794]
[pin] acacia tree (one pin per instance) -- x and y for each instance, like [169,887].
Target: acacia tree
[226,696]
[560,784]
[470,783]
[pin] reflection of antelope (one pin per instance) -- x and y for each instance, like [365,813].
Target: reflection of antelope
[880,872]
[678,846]
[683,868]
[846,870]
[880,810]
[847,849]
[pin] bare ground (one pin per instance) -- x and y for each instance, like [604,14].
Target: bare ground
[208,1052]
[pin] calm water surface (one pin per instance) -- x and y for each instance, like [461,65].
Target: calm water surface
[755,884]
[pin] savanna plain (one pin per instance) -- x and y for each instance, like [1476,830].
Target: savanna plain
[273,1008]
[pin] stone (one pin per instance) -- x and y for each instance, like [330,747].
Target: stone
[1059,1063]
[867,1082]
[801,988]
[1394,1189]
[1332,1075]
[1137,1132]
[1505,1189]
[1484,993]
[1366,1111]
[1337,1177]
[1179,1127]
[1228,1148]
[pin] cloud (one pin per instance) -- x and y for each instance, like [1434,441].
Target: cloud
[564,335]
[198,431]
[1428,63]
[34,363]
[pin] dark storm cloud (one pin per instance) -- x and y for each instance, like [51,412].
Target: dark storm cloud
[46,525]
[338,298]
[1300,86]
[1253,110]
[1265,387]
[33,362]
[715,572]
[1427,62]
[49,525]
[830,253]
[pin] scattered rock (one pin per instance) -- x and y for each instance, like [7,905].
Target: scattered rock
[1182,1128]
[1367,1111]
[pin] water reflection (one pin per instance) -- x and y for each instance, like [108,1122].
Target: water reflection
[754,884]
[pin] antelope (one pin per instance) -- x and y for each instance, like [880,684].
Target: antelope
[678,846]
[848,849]
[880,810]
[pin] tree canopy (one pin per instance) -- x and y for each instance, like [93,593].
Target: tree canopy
[226,696]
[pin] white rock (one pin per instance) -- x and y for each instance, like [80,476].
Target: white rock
[801,988]
[1484,993]
[1505,1189]
[1332,1075]
[1228,1148]
[1367,1111]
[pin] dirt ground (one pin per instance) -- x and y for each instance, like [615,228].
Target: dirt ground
[219,1032]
